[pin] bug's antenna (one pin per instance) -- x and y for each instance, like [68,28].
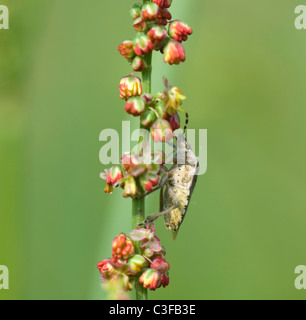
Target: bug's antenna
[186,122]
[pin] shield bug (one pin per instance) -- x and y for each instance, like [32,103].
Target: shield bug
[176,185]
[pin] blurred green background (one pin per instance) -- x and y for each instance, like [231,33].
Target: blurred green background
[244,77]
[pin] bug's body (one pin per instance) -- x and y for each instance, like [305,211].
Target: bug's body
[179,182]
[179,187]
[182,179]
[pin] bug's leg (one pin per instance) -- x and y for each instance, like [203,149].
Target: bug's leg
[176,204]
[161,199]
[160,185]
[154,216]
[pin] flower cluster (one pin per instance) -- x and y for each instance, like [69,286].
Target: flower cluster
[158,112]
[151,20]
[149,268]
[139,257]
[135,175]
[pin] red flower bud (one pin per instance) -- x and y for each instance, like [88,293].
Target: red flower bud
[149,181]
[163,3]
[150,279]
[179,30]
[126,49]
[106,269]
[135,106]
[175,122]
[114,174]
[122,247]
[174,52]
[165,13]
[161,131]
[139,64]
[161,21]
[164,280]
[140,25]
[160,264]
[157,34]
[143,45]
[146,184]
[150,11]
[130,87]
[111,176]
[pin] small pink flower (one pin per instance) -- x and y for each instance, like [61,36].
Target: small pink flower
[174,52]
[147,237]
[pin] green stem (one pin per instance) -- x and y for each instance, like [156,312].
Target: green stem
[146,74]
[138,206]
[138,210]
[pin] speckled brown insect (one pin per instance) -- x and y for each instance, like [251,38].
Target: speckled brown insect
[177,185]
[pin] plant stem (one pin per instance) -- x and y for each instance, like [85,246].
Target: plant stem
[138,205]
[146,74]
[138,210]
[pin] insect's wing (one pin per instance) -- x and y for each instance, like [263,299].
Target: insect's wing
[174,234]
[193,183]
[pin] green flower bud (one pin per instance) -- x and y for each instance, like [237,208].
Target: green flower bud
[137,263]
[147,118]
[135,11]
